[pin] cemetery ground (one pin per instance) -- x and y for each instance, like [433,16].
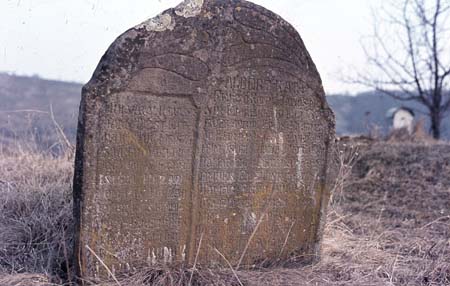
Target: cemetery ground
[388,223]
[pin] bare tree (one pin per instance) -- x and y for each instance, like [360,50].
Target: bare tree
[409,55]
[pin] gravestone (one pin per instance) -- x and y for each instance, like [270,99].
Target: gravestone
[204,136]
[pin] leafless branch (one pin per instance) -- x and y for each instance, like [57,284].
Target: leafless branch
[409,55]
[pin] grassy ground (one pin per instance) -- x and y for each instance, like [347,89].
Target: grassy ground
[388,225]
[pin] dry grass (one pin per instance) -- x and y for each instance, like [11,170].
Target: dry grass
[35,212]
[26,280]
[389,224]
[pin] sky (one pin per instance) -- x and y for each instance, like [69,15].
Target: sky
[65,39]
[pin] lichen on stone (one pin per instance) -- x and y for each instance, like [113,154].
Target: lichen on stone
[189,8]
[159,23]
[163,22]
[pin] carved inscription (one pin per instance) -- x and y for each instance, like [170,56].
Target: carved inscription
[144,172]
[252,159]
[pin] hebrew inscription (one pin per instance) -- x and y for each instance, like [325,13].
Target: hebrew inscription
[255,163]
[143,177]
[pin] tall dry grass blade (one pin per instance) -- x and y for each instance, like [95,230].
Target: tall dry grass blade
[196,259]
[24,111]
[229,265]
[103,264]
[60,130]
[435,221]
[286,240]
[264,213]
[247,245]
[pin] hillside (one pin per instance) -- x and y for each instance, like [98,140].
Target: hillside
[25,107]
[362,113]
[388,223]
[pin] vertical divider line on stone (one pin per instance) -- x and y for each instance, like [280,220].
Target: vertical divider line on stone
[194,215]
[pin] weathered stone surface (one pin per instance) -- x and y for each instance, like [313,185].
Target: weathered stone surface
[207,123]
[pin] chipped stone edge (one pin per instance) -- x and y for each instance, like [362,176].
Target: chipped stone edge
[164,21]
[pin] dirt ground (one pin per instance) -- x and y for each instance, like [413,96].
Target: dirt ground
[388,223]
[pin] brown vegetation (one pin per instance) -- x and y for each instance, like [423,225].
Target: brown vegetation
[388,224]
[36,212]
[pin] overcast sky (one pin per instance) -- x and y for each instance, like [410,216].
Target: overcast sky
[64,39]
